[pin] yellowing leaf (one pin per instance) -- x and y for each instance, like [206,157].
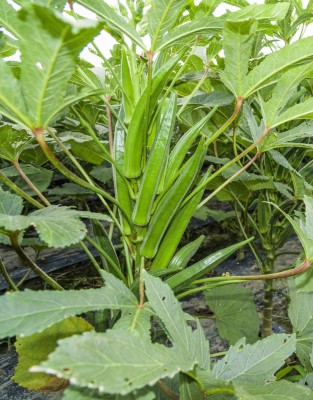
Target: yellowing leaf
[36,348]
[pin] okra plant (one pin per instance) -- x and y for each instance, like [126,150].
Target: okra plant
[176,122]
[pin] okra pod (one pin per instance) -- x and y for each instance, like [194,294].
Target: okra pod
[128,92]
[137,130]
[155,165]
[264,215]
[175,233]
[170,204]
[121,189]
[183,145]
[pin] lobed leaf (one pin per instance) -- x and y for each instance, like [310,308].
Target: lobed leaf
[161,17]
[25,313]
[114,362]
[33,349]
[282,390]
[235,312]
[49,47]
[266,72]
[255,364]
[190,347]
[238,38]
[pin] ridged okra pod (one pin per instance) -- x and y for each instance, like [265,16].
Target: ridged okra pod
[181,148]
[170,203]
[175,232]
[155,165]
[121,189]
[128,91]
[137,130]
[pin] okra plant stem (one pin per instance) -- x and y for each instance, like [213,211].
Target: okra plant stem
[7,277]
[19,169]
[15,244]
[19,191]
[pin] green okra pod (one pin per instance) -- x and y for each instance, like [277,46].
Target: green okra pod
[137,131]
[121,189]
[170,203]
[127,85]
[175,231]
[155,165]
[183,145]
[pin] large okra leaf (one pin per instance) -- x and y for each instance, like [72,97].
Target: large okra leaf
[282,390]
[161,17]
[56,226]
[114,362]
[238,38]
[25,313]
[34,349]
[289,56]
[50,47]
[191,346]
[235,312]
[120,362]
[283,91]
[255,364]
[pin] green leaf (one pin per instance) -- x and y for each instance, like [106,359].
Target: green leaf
[25,313]
[9,19]
[49,47]
[10,204]
[54,4]
[235,312]
[58,226]
[189,388]
[161,17]
[34,349]
[74,393]
[238,38]
[283,90]
[190,347]
[299,111]
[289,56]
[107,13]
[12,104]
[88,151]
[284,138]
[260,11]
[282,390]
[300,312]
[40,177]
[257,363]
[119,363]
[196,271]
[189,30]
[303,226]
[136,321]
[211,99]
